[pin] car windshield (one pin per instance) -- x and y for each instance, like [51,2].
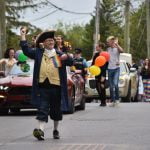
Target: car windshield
[89,63]
[122,68]
[22,69]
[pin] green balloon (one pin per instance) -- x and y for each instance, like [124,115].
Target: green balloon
[22,57]
[25,67]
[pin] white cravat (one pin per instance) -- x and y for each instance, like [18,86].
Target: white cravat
[50,53]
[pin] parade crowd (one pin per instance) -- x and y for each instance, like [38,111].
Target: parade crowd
[51,56]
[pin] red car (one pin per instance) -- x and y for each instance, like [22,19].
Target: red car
[15,89]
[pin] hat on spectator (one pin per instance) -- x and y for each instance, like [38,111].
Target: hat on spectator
[78,50]
[110,38]
[43,36]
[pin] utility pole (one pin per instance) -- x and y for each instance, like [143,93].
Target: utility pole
[2,28]
[127,27]
[148,26]
[97,24]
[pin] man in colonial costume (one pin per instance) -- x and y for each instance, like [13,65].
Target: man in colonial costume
[47,79]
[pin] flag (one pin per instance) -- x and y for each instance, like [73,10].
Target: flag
[56,61]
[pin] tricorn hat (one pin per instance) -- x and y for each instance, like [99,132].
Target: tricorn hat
[43,36]
[78,50]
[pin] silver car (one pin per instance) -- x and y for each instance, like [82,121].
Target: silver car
[128,84]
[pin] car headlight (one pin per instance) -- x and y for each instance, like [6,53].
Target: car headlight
[2,96]
[121,82]
[3,88]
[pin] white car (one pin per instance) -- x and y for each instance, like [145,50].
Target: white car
[128,84]
[90,86]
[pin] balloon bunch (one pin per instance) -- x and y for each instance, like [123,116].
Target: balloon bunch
[67,45]
[20,56]
[99,62]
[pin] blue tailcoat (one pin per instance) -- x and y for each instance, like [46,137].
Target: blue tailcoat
[37,56]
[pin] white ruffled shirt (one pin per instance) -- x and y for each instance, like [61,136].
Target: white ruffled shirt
[50,53]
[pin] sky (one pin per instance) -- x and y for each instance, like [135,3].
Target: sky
[49,22]
[83,6]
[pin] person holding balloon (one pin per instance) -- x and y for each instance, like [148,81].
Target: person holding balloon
[114,49]
[9,60]
[100,59]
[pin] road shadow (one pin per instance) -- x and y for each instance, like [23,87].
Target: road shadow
[21,113]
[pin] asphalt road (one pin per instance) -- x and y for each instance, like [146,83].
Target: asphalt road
[126,127]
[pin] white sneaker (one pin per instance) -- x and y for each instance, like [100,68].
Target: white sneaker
[112,104]
[117,101]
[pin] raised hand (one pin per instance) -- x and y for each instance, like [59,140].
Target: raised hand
[23,32]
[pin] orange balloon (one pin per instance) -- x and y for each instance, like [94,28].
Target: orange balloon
[100,61]
[106,55]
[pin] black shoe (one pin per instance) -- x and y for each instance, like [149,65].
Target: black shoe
[102,104]
[39,134]
[56,134]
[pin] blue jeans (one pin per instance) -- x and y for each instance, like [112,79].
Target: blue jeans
[113,77]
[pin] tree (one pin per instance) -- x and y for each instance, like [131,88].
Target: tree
[88,39]
[74,34]
[82,36]
[138,33]
[15,7]
[110,24]
[13,10]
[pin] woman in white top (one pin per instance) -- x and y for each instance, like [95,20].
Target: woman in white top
[9,60]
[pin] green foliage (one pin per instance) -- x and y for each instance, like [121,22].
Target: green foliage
[12,40]
[81,36]
[15,7]
[13,10]
[74,34]
[110,20]
[110,24]
[138,33]
[88,39]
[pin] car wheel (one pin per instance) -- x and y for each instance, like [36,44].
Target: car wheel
[82,104]
[4,111]
[135,99]
[71,102]
[88,100]
[128,97]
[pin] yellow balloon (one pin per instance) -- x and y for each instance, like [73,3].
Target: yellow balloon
[95,70]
